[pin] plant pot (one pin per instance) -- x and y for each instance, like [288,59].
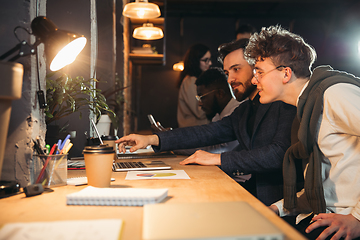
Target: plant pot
[103,125]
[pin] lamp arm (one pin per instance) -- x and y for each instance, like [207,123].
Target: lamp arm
[11,51]
[24,49]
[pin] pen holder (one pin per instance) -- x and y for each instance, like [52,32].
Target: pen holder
[49,170]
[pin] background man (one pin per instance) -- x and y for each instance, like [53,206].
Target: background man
[217,101]
[244,31]
[329,133]
[263,132]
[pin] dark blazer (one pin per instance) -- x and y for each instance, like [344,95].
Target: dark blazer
[260,154]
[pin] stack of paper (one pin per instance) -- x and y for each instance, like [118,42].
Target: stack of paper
[116,196]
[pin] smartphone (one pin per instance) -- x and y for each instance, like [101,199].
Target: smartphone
[152,120]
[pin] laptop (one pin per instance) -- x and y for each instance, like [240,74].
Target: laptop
[124,166]
[141,160]
[209,220]
[144,154]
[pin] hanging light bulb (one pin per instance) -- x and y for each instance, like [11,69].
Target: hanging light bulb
[148,32]
[141,9]
[179,67]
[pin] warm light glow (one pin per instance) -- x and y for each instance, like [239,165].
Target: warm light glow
[141,13]
[68,54]
[141,9]
[148,32]
[179,67]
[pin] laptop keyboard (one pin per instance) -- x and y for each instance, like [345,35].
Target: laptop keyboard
[124,165]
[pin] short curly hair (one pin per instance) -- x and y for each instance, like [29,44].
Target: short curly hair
[283,48]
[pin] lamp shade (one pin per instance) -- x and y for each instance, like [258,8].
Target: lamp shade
[62,47]
[141,9]
[179,67]
[148,32]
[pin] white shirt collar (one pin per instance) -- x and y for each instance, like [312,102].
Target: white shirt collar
[302,90]
[229,108]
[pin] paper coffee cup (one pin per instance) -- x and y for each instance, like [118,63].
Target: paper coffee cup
[98,165]
[110,140]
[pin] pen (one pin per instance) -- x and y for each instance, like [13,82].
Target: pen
[58,146]
[64,142]
[65,145]
[65,150]
[38,142]
[38,148]
[47,149]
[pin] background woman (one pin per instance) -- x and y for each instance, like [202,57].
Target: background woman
[197,60]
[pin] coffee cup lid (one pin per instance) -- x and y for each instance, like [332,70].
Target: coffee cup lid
[106,138]
[100,149]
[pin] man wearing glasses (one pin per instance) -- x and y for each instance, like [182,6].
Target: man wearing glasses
[217,101]
[327,104]
[262,131]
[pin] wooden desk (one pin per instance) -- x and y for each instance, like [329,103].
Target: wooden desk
[207,184]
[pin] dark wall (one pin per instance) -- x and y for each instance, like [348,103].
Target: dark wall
[74,16]
[332,27]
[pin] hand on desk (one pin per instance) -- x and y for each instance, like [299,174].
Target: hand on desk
[346,226]
[203,158]
[137,141]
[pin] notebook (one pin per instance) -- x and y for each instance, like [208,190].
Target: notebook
[125,166]
[210,220]
[116,196]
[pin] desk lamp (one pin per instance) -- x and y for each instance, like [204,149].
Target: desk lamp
[61,49]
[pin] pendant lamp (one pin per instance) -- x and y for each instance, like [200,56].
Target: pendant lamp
[148,32]
[141,9]
[179,67]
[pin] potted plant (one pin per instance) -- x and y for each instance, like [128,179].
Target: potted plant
[66,95]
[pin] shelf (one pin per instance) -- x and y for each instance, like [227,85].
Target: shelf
[147,58]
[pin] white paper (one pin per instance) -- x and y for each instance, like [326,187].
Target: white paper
[104,229]
[160,174]
[78,181]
